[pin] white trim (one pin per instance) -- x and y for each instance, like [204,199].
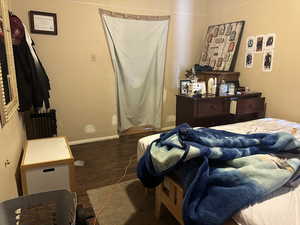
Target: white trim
[167,128]
[156,11]
[90,140]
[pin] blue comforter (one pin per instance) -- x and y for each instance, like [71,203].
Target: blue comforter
[222,172]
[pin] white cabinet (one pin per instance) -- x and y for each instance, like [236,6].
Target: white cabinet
[47,165]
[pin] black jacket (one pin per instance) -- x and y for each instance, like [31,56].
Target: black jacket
[32,80]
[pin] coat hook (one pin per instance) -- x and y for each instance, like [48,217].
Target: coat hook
[7,163]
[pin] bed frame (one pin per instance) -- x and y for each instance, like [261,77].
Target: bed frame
[170,194]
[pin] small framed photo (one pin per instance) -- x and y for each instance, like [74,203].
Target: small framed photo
[212,63]
[219,62]
[232,36]
[228,29]
[232,86]
[210,37]
[251,43]
[216,31]
[222,29]
[231,46]
[249,60]
[202,87]
[227,57]
[259,43]
[204,57]
[184,87]
[268,61]
[43,22]
[270,42]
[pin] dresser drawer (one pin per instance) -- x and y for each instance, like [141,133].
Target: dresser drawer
[214,107]
[250,105]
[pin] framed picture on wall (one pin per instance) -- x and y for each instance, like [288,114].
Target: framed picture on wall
[221,46]
[43,22]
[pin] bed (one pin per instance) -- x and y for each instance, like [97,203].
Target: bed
[278,210]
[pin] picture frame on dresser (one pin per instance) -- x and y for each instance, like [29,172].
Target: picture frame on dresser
[230,84]
[184,87]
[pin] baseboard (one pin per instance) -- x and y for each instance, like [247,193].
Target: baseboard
[90,140]
[167,128]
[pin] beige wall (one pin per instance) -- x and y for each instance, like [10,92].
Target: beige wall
[281,87]
[11,143]
[83,89]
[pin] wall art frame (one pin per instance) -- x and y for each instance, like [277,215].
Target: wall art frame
[221,46]
[43,22]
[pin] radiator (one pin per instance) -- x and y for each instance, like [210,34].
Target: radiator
[41,125]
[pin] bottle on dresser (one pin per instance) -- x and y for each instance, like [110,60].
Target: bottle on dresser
[223,89]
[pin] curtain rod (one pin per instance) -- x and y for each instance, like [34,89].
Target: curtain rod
[132,16]
[168,12]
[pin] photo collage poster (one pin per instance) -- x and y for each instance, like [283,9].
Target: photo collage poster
[221,45]
[264,44]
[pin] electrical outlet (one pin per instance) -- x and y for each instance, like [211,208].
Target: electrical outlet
[93,58]
[6,163]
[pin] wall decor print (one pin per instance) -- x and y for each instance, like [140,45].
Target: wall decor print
[268,61]
[222,30]
[251,43]
[249,58]
[43,22]
[221,46]
[269,42]
[259,43]
[231,46]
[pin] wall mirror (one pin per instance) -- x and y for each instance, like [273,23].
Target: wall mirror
[8,86]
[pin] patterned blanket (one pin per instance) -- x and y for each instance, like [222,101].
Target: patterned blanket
[222,172]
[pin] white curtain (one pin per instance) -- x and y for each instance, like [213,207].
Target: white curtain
[138,52]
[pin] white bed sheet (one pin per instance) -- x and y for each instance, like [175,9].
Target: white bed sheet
[280,210]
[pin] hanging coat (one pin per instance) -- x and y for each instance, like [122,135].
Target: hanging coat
[32,80]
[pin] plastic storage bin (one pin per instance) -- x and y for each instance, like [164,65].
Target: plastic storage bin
[49,208]
[47,165]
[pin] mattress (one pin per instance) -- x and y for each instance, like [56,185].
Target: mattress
[278,210]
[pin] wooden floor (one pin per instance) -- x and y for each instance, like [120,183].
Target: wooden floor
[104,164]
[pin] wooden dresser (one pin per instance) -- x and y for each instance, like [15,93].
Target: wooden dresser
[214,111]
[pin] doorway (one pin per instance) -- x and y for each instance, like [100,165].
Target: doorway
[137,47]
